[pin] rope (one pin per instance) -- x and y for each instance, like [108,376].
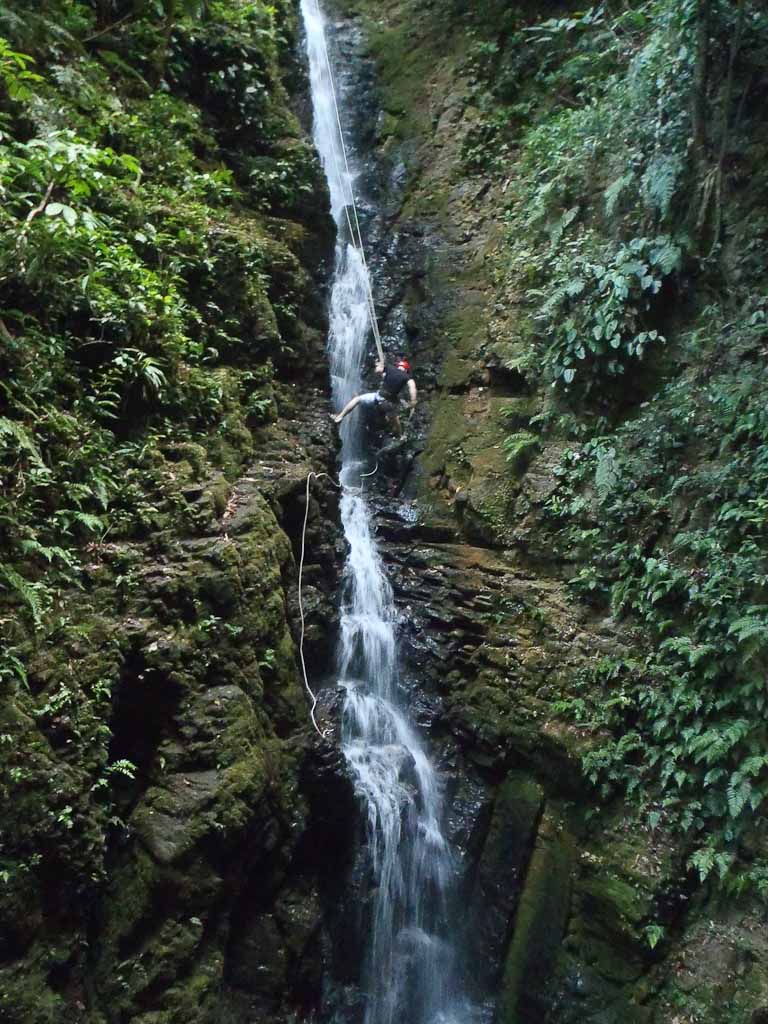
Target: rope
[356,234]
[339,486]
[320,732]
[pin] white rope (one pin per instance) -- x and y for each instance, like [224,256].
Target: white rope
[356,235]
[320,732]
[339,486]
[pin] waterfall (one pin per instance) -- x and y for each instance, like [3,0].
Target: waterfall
[409,974]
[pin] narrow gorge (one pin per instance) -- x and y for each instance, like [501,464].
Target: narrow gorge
[531,788]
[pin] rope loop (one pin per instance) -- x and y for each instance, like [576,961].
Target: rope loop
[322,733]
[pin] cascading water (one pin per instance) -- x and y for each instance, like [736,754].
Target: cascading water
[409,974]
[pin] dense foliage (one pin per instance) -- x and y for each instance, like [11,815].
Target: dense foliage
[145,299]
[155,230]
[637,236]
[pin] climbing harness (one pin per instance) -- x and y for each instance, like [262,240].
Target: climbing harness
[355,233]
[322,733]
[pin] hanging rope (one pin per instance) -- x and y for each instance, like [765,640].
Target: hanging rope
[320,732]
[355,233]
[340,487]
[356,236]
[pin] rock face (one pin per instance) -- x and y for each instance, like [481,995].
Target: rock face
[174,831]
[566,898]
[197,889]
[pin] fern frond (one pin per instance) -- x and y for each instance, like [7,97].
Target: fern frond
[26,591]
[660,181]
[613,193]
[34,547]
[747,627]
[737,794]
[22,437]
[606,473]
[703,861]
[88,520]
[666,255]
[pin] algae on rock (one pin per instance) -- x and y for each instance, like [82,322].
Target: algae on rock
[162,339]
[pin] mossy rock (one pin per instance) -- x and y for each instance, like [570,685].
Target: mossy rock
[518,412]
[27,998]
[539,924]
[617,904]
[520,449]
[504,859]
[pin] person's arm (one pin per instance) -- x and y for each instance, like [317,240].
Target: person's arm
[412,396]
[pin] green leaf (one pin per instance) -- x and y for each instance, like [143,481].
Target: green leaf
[654,933]
[703,861]
[14,429]
[738,793]
[28,592]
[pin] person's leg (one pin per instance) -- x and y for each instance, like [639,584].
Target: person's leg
[339,416]
[366,399]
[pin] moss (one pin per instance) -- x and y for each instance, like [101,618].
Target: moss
[520,448]
[151,653]
[193,454]
[721,967]
[129,897]
[244,785]
[618,905]
[28,998]
[539,923]
[516,413]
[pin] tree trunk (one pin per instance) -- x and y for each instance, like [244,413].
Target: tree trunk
[700,81]
[161,54]
[725,123]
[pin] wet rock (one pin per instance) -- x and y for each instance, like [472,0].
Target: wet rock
[539,925]
[168,820]
[502,864]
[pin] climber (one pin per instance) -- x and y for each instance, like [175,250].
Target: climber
[393,380]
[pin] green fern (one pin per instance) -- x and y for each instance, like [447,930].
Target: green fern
[50,554]
[666,255]
[606,473]
[703,861]
[28,593]
[15,430]
[660,181]
[614,191]
[737,794]
[747,627]
[91,522]
[12,667]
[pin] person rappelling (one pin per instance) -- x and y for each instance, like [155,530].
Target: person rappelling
[394,379]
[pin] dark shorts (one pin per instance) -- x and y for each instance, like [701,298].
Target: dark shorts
[383,405]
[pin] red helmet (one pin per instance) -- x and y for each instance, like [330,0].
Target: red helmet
[403,364]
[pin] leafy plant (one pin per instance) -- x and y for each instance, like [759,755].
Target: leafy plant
[15,72]
[598,315]
[682,728]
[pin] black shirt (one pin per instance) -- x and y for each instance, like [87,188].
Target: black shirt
[393,382]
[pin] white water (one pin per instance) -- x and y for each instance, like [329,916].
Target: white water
[409,970]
